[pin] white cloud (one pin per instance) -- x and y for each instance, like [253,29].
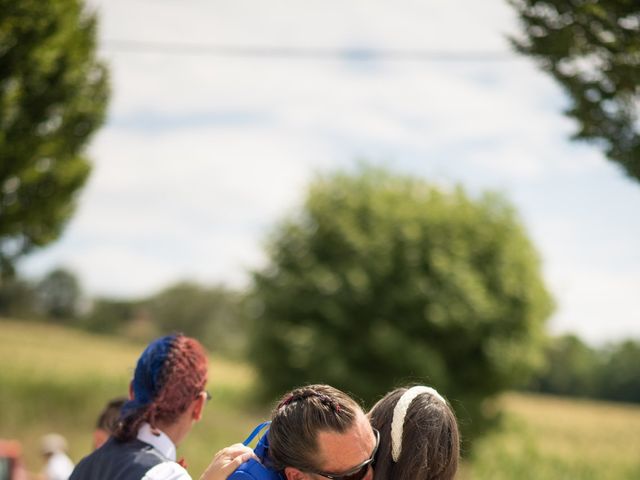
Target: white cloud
[202,154]
[600,305]
[438,24]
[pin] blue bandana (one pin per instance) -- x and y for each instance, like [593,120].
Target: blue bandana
[147,375]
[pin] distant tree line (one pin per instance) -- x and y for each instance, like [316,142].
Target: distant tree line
[218,315]
[213,314]
[55,297]
[573,368]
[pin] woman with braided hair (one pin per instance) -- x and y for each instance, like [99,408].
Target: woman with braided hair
[167,397]
[419,437]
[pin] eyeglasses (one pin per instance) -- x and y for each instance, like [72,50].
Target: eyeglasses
[207,395]
[356,473]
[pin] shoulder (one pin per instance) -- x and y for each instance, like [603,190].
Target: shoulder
[167,471]
[59,466]
[115,460]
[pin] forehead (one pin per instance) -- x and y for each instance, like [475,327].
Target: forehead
[339,452]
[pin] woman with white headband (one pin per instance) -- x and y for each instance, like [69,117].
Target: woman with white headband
[419,437]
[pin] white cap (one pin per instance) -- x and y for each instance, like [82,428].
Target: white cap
[53,443]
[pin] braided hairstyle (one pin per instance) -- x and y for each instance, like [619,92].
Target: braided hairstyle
[297,419]
[169,376]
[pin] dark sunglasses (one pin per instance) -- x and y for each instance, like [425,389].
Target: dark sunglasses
[356,473]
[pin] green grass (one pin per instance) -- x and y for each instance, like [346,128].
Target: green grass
[58,379]
[548,437]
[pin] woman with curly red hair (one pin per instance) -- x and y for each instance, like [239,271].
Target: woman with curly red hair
[167,396]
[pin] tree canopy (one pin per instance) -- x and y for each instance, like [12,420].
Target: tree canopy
[58,294]
[53,94]
[214,315]
[383,279]
[592,48]
[573,368]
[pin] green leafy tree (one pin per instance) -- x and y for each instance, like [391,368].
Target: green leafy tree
[108,315]
[16,298]
[383,279]
[53,94]
[592,48]
[214,315]
[58,295]
[620,373]
[571,368]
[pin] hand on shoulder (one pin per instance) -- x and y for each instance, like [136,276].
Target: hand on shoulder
[226,461]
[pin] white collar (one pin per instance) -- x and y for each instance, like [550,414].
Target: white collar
[161,442]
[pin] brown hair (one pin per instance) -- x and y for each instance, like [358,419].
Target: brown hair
[170,375]
[430,439]
[298,418]
[108,419]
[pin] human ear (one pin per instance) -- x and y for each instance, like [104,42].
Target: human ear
[198,406]
[292,473]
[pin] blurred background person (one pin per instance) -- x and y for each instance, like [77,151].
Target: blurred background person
[107,421]
[58,466]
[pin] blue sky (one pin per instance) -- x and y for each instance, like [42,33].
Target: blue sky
[202,154]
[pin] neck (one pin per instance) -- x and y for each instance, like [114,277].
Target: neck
[178,429]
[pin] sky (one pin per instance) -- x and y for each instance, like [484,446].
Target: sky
[204,150]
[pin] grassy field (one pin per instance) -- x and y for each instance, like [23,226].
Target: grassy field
[558,438]
[56,379]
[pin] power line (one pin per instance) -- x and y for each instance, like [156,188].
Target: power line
[305,53]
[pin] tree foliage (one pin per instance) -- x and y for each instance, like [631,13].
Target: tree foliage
[214,315]
[571,368]
[383,279]
[53,94]
[16,298]
[611,372]
[58,295]
[592,48]
[112,316]
[620,374]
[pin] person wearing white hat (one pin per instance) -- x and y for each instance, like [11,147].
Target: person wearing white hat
[58,466]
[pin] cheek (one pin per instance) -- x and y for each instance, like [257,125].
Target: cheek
[99,437]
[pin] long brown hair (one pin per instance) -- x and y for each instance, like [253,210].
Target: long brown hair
[430,439]
[297,419]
